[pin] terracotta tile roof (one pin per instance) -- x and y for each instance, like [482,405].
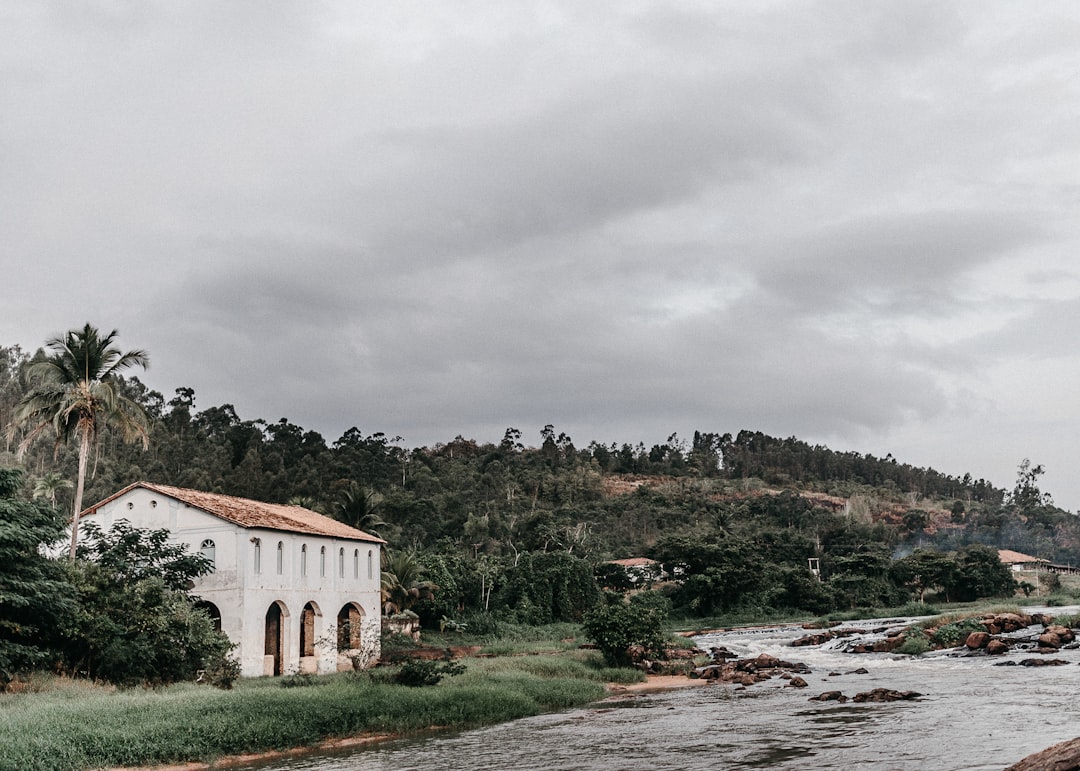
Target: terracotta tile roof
[634,562]
[1010,557]
[248,513]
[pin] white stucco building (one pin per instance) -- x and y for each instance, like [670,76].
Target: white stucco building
[296,591]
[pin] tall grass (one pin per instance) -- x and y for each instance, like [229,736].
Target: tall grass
[52,730]
[504,638]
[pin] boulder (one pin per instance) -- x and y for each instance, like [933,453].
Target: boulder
[1043,662]
[829,696]
[885,694]
[1059,757]
[997,647]
[797,682]
[889,644]
[675,654]
[707,673]
[1063,632]
[812,639]
[977,640]
[763,661]
[1049,640]
[1010,622]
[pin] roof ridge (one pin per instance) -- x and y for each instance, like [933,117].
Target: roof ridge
[248,512]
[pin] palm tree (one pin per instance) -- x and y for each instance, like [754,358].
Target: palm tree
[304,502]
[75,394]
[359,508]
[48,485]
[402,581]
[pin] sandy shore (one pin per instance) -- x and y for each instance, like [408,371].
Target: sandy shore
[657,683]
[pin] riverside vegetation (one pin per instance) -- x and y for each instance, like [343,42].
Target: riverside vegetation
[76,725]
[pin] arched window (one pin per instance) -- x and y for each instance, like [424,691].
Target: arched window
[356,563]
[280,564]
[209,552]
[303,560]
[322,562]
[341,563]
[370,564]
[257,559]
[307,629]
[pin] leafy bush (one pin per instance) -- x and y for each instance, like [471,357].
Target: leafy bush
[951,635]
[130,585]
[419,672]
[452,624]
[222,671]
[35,598]
[915,644]
[615,626]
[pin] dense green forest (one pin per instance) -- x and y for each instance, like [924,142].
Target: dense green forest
[522,527]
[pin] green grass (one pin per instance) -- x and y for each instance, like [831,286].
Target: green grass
[99,728]
[502,638]
[914,645]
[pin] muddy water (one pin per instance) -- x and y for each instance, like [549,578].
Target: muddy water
[974,715]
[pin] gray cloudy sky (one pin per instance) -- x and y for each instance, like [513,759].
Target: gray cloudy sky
[853,222]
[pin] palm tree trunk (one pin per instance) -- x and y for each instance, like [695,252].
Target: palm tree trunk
[84,453]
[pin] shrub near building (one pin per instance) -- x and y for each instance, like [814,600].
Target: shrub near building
[616,625]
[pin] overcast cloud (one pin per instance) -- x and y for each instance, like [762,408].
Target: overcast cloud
[852,222]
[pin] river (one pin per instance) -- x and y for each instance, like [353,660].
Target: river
[974,715]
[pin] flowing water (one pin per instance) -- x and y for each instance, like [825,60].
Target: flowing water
[973,715]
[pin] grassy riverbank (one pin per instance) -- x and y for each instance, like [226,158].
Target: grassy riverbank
[81,727]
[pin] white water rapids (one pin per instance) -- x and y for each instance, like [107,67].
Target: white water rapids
[973,715]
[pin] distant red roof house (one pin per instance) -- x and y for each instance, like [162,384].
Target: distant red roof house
[1018,561]
[640,569]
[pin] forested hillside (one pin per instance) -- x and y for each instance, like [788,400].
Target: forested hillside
[524,523]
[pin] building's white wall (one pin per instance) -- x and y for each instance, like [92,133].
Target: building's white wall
[243,595]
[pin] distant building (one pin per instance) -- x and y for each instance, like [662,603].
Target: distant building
[1017,561]
[641,570]
[296,591]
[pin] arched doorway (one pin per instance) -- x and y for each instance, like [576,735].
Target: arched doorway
[212,611]
[274,652]
[350,641]
[308,662]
